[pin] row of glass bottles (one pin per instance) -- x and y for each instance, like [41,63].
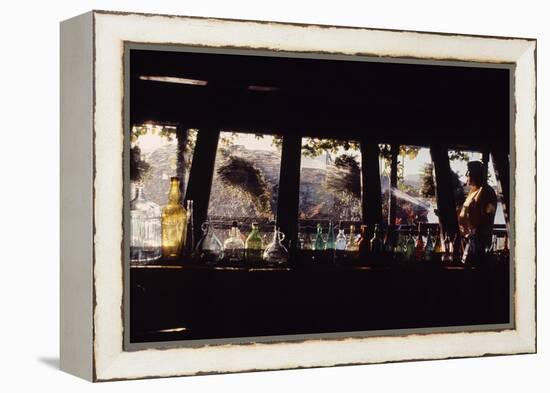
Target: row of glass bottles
[166,232]
[211,251]
[156,232]
[400,245]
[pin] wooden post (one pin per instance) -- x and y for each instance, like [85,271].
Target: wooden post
[446,204]
[371,193]
[289,189]
[201,174]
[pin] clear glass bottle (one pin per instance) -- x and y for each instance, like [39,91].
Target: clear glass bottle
[145,229]
[376,243]
[233,247]
[429,247]
[276,253]
[331,241]
[419,247]
[174,222]
[410,249]
[319,241]
[341,240]
[253,245]
[209,248]
[447,256]
[190,233]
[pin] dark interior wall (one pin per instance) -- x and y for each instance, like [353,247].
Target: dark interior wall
[406,103]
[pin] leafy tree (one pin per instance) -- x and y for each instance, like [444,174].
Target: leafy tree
[245,180]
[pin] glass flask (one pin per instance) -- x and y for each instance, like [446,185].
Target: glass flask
[319,242]
[209,249]
[419,252]
[145,229]
[233,246]
[276,253]
[341,240]
[174,222]
[331,242]
[253,245]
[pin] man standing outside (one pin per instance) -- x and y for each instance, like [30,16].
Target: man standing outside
[477,215]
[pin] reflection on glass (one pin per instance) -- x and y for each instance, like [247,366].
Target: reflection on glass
[330,188]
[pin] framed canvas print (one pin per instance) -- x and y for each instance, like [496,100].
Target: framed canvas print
[244,195]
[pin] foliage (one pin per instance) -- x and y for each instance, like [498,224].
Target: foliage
[427,189]
[458,155]
[139,169]
[345,176]
[314,147]
[244,179]
[167,132]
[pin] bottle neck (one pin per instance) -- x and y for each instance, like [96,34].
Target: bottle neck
[174,195]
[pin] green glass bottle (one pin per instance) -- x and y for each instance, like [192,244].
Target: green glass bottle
[253,245]
[429,247]
[319,242]
[331,240]
[410,248]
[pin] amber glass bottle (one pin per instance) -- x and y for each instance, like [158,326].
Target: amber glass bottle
[174,222]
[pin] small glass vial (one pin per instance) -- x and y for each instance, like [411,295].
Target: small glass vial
[233,247]
[145,229]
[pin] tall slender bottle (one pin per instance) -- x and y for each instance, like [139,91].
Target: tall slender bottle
[376,243]
[253,245]
[419,249]
[319,242]
[457,248]
[331,241]
[410,248]
[448,256]
[363,244]
[174,222]
[189,245]
[429,248]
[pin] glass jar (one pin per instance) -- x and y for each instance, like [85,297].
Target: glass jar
[145,229]
[209,248]
[233,247]
[275,252]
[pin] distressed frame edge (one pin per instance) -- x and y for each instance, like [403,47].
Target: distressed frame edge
[525,338]
[76,207]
